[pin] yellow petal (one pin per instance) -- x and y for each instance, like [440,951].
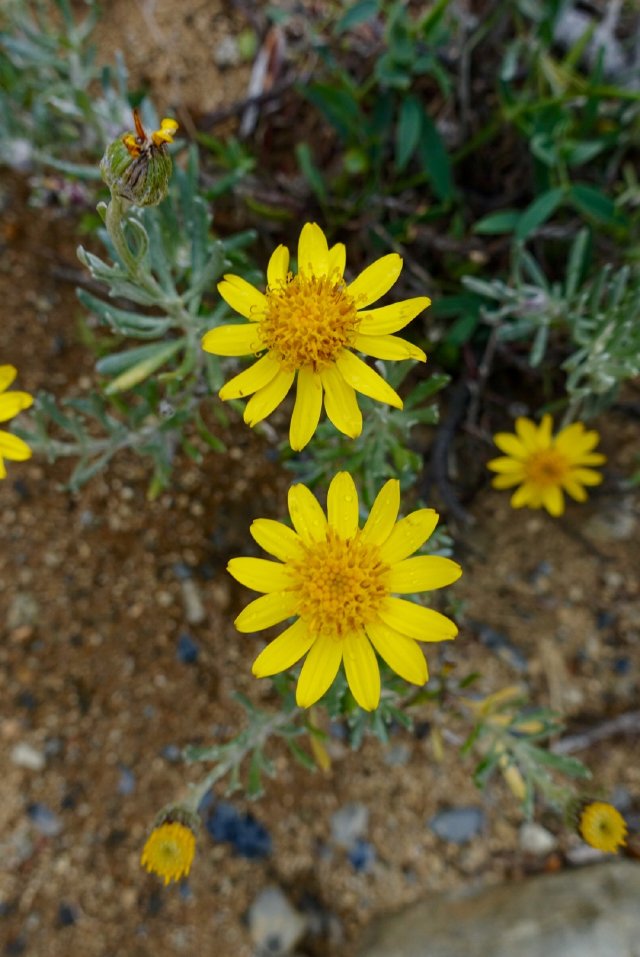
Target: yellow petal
[13,448]
[574,440]
[342,505]
[260,574]
[363,378]
[392,318]
[266,611]
[233,340]
[306,514]
[402,654]
[11,403]
[588,458]
[268,398]
[318,671]
[362,671]
[243,297]
[284,651]
[553,500]
[278,268]
[307,408]
[528,495]
[277,539]
[375,280]
[7,375]
[422,573]
[255,377]
[586,476]
[313,251]
[388,347]
[337,260]
[3,469]
[574,489]
[507,479]
[511,445]
[533,437]
[408,535]
[506,465]
[383,514]
[340,403]
[416,621]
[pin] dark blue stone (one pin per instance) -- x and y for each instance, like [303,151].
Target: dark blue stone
[188,649]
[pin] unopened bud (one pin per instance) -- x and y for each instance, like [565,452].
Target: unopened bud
[137,167]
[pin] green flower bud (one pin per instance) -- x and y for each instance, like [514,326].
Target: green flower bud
[137,167]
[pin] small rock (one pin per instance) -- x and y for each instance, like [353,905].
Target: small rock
[247,835]
[397,756]
[362,855]
[535,839]
[67,915]
[26,756]
[188,650]
[612,524]
[503,647]
[127,781]
[44,819]
[23,611]
[171,753]
[349,824]
[274,924]
[458,825]
[193,608]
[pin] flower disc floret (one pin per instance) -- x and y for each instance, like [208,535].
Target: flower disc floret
[169,851]
[340,583]
[305,328]
[544,466]
[602,826]
[12,447]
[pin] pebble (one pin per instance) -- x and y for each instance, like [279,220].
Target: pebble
[458,825]
[26,756]
[274,924]
[349,824]
[44,819]
[362,855]
[614,524]
[23,611]
[503,647]
[127,781]
[247,835]
[535,839]
[188,650]
[66,915]
[194,610]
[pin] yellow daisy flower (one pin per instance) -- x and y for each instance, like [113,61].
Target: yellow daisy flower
[169,851]
[308,324]
[603,827]
[11,447]
[544,465]
[340,582]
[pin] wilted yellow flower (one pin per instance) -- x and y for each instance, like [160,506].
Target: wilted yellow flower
[307,326]
[340,581]
[169,851]
[602,826]
[137,166]
[11,447]
[545,466]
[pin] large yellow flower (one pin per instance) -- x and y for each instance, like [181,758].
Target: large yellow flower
[11,447]
[340,582]
[309,324]
[544,465]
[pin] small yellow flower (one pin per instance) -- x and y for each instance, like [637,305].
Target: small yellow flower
[603,827]
[307,326]
[339,581]
[11,447]
[169,851]
[544,465]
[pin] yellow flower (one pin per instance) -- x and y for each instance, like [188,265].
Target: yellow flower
[11,447]
[169,851]
[340,582]
[544,465]
[603,827]
[308,324]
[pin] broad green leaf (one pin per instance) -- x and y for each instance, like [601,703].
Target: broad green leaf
[503,221]
[435,159]
[594,203]
[357,14]
[408,130]
[540,210]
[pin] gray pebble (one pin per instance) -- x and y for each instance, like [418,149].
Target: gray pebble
[458,825]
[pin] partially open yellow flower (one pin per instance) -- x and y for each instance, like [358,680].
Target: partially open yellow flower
[307,326]
[602,826]
[11,447]
[545,466]
[340,581]
[169,851]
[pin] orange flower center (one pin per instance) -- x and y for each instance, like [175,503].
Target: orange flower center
[546,468]
[340,585]
[309,320]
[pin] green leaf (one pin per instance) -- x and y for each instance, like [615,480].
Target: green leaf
[137,373]
[338,106]
[435,159]
[357,14]
[408,130]
[592,202]
[503,221]
[310,171]
[540,210]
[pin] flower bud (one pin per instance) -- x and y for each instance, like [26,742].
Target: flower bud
[137,167]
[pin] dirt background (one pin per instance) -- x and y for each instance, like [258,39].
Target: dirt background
[92,598]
